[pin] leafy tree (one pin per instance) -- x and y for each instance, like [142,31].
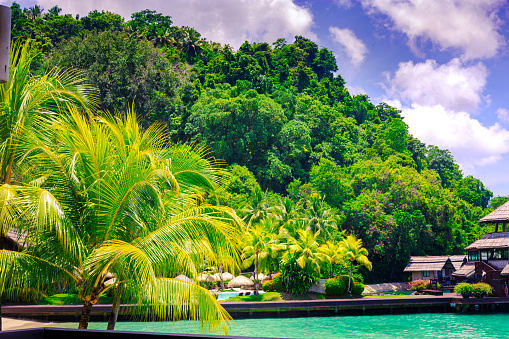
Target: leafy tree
[498,201]
[27,105]
[354,252]
[258,246]
[127,71]
[114,203]
[442,161]
[473,191]
[305,249]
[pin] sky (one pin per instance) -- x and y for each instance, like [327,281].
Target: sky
[444,63]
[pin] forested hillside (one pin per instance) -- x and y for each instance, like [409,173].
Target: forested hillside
[299,149]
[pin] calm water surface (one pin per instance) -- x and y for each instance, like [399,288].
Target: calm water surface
[358,327]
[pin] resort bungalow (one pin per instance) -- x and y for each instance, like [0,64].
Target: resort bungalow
[435,267]
[488,257]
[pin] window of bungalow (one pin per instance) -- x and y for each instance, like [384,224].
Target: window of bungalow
[500,254]
[484,255]
[425,273]
[473,256]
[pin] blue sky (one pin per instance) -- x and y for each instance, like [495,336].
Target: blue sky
[444,63]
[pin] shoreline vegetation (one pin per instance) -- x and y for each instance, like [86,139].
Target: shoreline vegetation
[142,164]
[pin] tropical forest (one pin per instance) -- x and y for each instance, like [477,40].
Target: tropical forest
[120,136]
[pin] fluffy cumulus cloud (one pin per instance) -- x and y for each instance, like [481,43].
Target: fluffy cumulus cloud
[451,85]
[469,25]
[353,46]
[471,143]
[226,21]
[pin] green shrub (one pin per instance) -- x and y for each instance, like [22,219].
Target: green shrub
[480,289]
[335,286]
[463,288]
[278,284]
[297,280]
[268,286]
[357,288]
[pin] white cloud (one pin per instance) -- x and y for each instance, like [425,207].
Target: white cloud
[471,143]
[451,85]
[503,115]
[470,25]
[353,46]
[344,3]
[226,21]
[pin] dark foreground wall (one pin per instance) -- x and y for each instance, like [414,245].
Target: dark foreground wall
[60,333]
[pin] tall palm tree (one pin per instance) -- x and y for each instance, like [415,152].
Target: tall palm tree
[257,207]
[354,252]
[106,198]
[28,105]
[320,218]
[306,249]
[258,245]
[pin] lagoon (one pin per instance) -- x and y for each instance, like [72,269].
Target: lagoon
[428,325]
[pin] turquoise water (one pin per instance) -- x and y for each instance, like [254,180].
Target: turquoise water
[358,327]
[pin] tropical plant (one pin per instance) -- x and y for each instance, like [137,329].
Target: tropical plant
[465,289]
[306,250]
[480,289]
[259,246]
[354,252]
[28,105]
[108,199]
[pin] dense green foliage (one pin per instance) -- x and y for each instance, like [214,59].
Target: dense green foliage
[302,152]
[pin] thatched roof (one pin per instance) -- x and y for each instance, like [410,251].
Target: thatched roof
[261,277]
[240,281]
[466,270]
[434,263]
[490,240]
[227,276]
[501,214]
[17,237]
[182,277]
[205,277]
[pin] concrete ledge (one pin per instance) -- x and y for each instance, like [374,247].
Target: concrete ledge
[264,309]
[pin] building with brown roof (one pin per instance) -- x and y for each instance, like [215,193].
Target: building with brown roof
[488,257]
[434,267]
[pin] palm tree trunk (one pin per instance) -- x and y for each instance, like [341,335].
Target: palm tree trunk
[117,295]
[350,278]
[221,278]
[112,321]
[256,275]
[85,315]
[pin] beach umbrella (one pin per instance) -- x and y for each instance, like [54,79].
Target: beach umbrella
[227,276]
[240,281]
[216,277]
[205,277]
[183,278]
[261,277]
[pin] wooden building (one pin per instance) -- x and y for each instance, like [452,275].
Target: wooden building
[488,259]
[435,267]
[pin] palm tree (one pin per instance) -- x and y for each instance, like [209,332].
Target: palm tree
[108,199]
[354,252]
[28,105]
[306,249]
[320,218]
[258,245]
[257,207]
